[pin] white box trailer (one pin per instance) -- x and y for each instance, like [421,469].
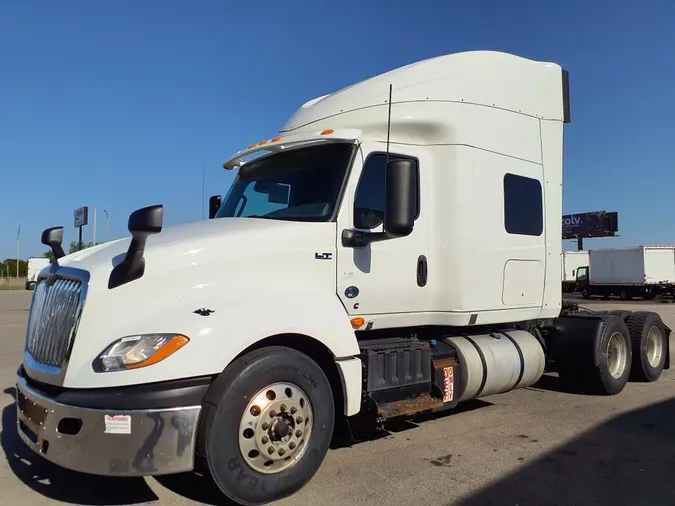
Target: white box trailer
[571,261]
[637,271]
[35,266]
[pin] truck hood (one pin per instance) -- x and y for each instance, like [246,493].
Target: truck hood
[220,247]
[237,269]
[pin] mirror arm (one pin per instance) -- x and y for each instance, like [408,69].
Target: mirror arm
[357,239]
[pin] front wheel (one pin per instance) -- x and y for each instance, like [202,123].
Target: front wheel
[267,424]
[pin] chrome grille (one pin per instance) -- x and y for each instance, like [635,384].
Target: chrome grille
[52,321]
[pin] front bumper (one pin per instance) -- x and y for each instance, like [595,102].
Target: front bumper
[136,442]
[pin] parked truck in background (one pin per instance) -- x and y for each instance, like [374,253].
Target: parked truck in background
[636,271]
[393,250]
[35,265]
[571,261]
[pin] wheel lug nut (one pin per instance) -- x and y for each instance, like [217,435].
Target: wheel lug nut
[283,408]
[299,419]
[282,452]
[264,440]
[298,433]
[273,414]
[270,450]
[294,410]
[292,446]
[265,426]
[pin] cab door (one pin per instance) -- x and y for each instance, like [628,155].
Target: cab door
[388,277]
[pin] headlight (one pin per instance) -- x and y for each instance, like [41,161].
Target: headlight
[139,351]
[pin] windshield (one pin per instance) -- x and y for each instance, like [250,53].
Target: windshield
[301,185]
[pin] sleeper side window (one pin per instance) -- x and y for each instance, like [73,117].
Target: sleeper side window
[523,205]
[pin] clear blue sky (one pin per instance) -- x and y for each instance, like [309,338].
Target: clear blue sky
[118,104]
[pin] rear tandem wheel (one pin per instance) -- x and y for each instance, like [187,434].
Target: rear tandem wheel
[648,336]
[614,358]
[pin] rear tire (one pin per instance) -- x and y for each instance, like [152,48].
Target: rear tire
[611,374]
[648,336]
[267,423]
[614,352]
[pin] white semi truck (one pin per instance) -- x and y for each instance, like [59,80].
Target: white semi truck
[394,249]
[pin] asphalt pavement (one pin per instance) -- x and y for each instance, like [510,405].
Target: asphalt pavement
[537,446]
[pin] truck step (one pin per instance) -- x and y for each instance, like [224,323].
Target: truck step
[407,407]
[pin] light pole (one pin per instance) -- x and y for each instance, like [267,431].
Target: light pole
[107,225]
[18,234]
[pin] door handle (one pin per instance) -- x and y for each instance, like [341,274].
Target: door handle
[422,271]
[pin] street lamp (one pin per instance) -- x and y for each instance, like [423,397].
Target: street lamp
[18,234]
[107,225]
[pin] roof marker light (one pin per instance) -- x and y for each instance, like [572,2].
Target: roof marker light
[262,143]
[276,139]
[251,146]
[327,132]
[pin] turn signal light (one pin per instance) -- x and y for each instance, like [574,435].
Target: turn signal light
[357,322]
[165,351]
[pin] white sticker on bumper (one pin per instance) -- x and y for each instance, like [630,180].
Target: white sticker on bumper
[118,424]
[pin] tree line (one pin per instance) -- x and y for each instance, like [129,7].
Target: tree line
[74,247]
[8,267]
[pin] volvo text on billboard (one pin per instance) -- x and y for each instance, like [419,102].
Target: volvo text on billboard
[594,224]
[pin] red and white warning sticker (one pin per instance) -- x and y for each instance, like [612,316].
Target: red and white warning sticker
[448,384]
[117,424]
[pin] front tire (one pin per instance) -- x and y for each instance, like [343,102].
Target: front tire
[267,424]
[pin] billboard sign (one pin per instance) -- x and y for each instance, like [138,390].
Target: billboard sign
[595,224]
[81,216]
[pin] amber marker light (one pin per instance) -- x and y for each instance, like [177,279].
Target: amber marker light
[174,344]
[357,322]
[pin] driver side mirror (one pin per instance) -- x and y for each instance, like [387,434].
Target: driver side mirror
[401,197]
[400,208]
[214,205]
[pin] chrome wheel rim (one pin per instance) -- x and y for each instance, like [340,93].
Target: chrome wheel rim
[617,355]
[275,428]
[654,346]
